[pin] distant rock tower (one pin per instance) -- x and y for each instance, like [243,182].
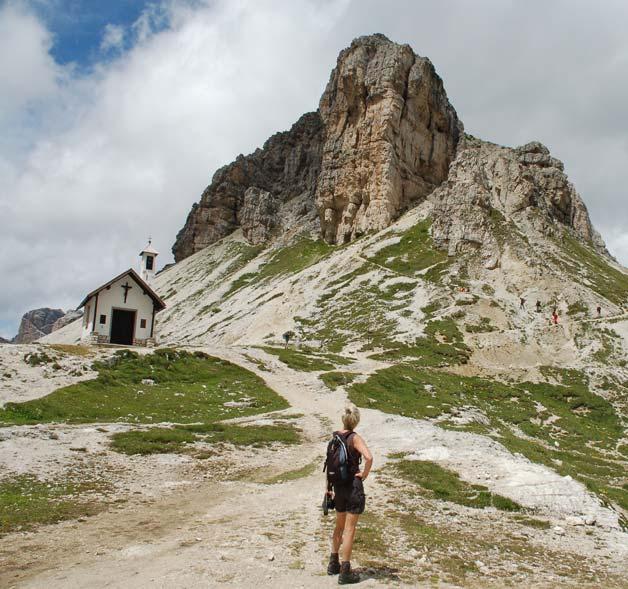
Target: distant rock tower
[148,263]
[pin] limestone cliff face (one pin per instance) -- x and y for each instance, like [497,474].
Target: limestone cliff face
[69,317]
[385,137]
[287,166]
[525,185]
[36,324]
[390,135]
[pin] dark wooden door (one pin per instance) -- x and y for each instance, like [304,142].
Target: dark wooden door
[122,327]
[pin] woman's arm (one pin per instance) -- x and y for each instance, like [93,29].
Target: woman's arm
[360,445]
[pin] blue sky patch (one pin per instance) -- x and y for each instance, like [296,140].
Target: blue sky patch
[79,26]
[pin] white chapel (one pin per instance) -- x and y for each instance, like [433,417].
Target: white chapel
[122,311]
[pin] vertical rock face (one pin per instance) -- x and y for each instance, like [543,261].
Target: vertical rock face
[258,215]
[525,185]
[385,137]
[68,318]
[390,135]
[36,324]
[286,167]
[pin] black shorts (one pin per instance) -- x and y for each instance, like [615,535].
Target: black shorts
[350,498]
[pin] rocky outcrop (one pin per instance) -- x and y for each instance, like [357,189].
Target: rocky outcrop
[490,186]
[286,167]
[68,318]
[4,341]
[258,215]
[385,137]
[36,324]
[390,135]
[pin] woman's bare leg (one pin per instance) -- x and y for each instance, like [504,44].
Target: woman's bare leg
[336,538]
[349,534]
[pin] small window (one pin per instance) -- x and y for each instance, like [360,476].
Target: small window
[103,319]
[149,262]
[143,323]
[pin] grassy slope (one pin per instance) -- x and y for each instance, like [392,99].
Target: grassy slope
[585,265]
[580,440]
[185,388]
[414,254]
[445,485]
[178,387]
[26,501]
[289,260]
[177,439]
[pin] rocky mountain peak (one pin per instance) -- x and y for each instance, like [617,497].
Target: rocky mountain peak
[390,135]
[385,138]
[493,189]
[36,324]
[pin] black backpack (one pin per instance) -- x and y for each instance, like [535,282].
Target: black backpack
[339,461]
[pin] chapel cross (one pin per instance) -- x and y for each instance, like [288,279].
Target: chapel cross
[127,287]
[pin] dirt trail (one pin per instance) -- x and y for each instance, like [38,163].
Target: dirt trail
[247,534]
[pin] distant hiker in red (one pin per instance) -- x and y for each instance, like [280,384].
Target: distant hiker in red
[554,317]
[345,491]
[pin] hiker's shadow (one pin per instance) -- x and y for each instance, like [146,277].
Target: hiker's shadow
[378,573]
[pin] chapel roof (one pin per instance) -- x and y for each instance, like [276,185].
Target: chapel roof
[135,276]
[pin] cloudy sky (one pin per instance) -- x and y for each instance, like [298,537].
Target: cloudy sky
[114,115]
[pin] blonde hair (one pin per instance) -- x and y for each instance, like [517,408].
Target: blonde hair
[350,416]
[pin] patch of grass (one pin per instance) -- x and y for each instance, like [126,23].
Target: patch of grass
[370,542]
[157,440]
[294,258]
[288,260]
[414,253]
[259,363]
[577,308]
[38,358]
[187,387]
[483,326]
[26,502]
[333,380]
[606,338]
[304,361]
[584,261]
[579,439]
[72,350]
[446,485]
[179,438]
[533,522]
[240,282]
[391,292]
[442,345]
[293,475]
[488,290]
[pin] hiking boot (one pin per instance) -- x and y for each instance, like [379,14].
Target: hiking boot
[347,576]
[333,568]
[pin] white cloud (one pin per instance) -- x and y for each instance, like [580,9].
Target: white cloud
[90,166]
[113,38]
[134,144]
[27,72]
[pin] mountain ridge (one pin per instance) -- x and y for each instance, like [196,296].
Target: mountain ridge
[384,138]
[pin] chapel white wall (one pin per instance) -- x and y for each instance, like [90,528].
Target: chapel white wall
[111,298]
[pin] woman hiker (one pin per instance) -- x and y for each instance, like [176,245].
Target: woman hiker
[349,498]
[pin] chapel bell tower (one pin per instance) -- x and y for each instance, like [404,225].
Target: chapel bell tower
[148,263]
